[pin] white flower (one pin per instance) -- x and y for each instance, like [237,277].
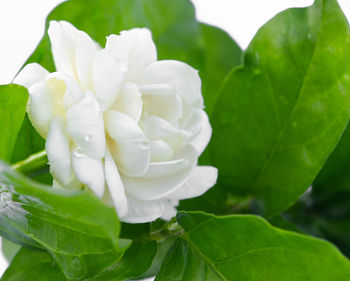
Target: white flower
[120,122]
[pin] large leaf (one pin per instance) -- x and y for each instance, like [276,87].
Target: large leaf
[222,54]
[280,115]
[77,229]
[31,264]
[246,247]
[335,174]
[13,101]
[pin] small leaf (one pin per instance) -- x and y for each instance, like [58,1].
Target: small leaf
[280,115]
[13,101]
[31,264]
[77,229]
[246,247]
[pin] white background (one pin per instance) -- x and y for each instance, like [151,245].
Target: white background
[22,26]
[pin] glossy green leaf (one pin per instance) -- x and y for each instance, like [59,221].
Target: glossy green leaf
[13,102]
[134,263]
[77,229]
[280,115]
[28,142]
[31,264]
[222,54]
[246,247]
[335,174]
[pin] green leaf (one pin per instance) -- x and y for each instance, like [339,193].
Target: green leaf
[9,249]
[335,174]
[28,142]
[31,264]
[246,247]
[280,115]
[134,263]
[221,54]
[77,229]
[13,101]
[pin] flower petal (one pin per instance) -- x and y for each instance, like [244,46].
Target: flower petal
[182,77]
[129,147]
[58,153]
[115,185]
[140,211]
[84,56]
[201,141]
[107,78]
[63,43]
[200,180]
[159,129]
[32,73]
[85,126]
[63,89]
[134,49]
[160,100]
[170,210]
[157,188]
[162,169]
[40,108]
[129,101]
[160,151]
[89,171]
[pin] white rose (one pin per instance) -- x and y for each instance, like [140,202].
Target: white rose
[120,122]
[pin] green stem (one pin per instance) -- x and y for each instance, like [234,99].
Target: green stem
[34,164]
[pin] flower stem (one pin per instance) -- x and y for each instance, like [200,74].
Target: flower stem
[34,164]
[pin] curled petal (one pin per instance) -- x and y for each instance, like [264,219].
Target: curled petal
[84,56]
[63,89]
[129,101]
[58,153]
[129,145]
[89,171]
[85,126]
[115,185]
[32,73]
[40,108]
[134,49]
[200,180]
[107,78]
[159,129]
[158,188]
[162,169]
[140,211]
[160,151]
[63,44]
[183,78]
[160,100]
[202,139]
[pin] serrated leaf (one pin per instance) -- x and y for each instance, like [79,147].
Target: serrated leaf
[77,229]
[246,247]
[13,101]
[280,115]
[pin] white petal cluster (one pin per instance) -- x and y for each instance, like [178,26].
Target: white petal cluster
[119,122]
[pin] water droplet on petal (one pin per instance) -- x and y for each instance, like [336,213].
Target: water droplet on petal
[79,153]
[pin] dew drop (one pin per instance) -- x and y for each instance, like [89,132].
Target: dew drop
[87,137]
[79,153]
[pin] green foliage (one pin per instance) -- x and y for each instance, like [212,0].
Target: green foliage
[31,264]
[13,102]
[278,110]
[280,115]
[78,230]
[247,248]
